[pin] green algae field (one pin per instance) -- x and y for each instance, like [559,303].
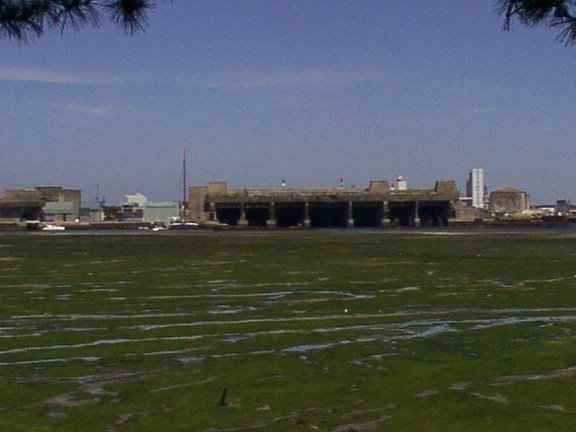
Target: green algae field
[337,331]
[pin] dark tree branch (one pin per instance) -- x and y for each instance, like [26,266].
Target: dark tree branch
[130,14]
[547,13]
[17,21]
[24,19]
[74,14]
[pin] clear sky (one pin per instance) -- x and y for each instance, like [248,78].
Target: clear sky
[309,91]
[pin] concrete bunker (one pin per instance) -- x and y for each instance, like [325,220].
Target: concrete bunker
[377,206]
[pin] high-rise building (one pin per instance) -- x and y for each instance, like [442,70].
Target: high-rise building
[475,187]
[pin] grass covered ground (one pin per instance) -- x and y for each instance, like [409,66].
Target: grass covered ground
[288,331]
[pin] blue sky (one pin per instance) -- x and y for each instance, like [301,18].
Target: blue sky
[306,90]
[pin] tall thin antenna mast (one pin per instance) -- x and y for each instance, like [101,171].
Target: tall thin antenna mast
[184,181]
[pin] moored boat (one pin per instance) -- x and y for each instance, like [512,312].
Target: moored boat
[183,226]
[53,228]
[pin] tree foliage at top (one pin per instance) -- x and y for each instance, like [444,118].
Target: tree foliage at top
[558,14]
[24,19]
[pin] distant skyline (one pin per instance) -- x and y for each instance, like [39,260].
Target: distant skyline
[258,91]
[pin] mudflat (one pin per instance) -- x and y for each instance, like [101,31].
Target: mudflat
[288,331]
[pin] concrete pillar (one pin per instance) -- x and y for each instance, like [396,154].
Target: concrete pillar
[350,222]
[243,222]
[385,213]
[271,222]
[416,217]
[212,215]
[451,213]
[307,223]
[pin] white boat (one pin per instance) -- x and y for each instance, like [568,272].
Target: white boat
[183,225]
[53,228]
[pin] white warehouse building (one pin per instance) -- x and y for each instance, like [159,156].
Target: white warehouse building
[161,211]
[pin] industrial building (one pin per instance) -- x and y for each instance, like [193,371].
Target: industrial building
[91,211]
[381,204]
[61,204]
[162,212]
[49,203]
[21,204]
[508,201]
[137,208]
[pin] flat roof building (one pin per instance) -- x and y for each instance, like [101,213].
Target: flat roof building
[378,205]
[161,211]
[508,201]
[36,203]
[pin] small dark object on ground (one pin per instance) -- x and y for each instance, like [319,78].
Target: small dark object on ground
[223,401]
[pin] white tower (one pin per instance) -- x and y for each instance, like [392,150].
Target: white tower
[401,183]
[476,187]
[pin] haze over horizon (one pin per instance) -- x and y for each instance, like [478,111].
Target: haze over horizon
[258,91]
